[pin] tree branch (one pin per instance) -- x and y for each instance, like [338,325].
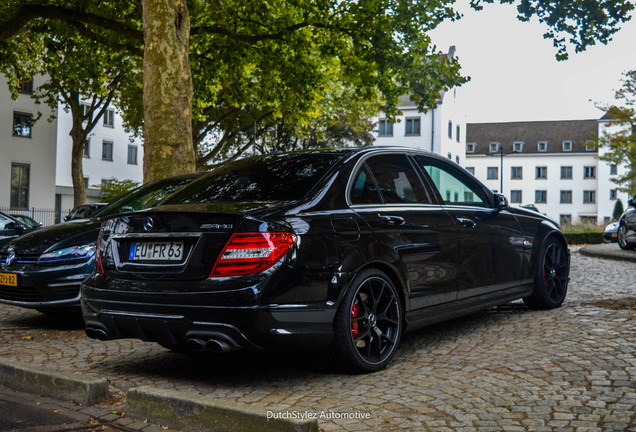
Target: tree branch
[13,25]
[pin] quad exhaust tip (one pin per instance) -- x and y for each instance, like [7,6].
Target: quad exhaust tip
[213,345]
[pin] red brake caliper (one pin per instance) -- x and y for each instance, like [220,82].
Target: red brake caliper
[354,324]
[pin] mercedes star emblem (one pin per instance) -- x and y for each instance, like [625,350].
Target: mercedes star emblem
[148,224]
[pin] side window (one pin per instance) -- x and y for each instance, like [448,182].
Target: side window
[364,190]
[452,185]
[397,180]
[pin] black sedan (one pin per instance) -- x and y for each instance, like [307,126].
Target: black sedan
[43,269]
[627,227]
[12,227]
[341,249]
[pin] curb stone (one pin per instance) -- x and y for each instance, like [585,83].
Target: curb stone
[82,389]
[608,251]
[198,413]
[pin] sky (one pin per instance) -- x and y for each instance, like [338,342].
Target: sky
[514,73]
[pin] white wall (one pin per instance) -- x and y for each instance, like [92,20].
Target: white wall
[38,151]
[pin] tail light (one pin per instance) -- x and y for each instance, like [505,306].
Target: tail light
[249,253]
[99,268]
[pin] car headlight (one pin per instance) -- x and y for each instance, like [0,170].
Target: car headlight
[73,253]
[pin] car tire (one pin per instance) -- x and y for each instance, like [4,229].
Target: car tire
[622,238]
[368,325]
[551,276]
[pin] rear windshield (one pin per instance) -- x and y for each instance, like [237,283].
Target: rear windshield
[145,196]
[270,178]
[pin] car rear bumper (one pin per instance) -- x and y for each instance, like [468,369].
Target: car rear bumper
[206,321]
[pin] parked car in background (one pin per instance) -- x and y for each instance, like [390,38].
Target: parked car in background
[627,227]
[339,249]
[11,227]
[610,233]
[43,269]
[84,211]
[27,220]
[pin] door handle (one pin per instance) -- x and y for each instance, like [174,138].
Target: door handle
[468,223]
[391,219]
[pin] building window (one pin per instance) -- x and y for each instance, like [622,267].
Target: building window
[457,133]
[385,128]
[540,196]
[450,129]
[471,170]
[517,146]
[589,197]
[492,173]
[450,156]
[590,148]
[86,182]
[567,146]
[470,147]
[566,172]
[542,146]
[515,196]
[541,172]
[565,219]
[20,174]
[589,172]
[109,118]
[412,126]
[493,147]
[613,169]
[22,124]
[613,195]
[516,173]
[87,148]
[566,197]
[457,159]
[26,86]
[132,155]
[107,150]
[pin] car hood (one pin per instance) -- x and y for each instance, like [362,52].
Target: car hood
[76,232]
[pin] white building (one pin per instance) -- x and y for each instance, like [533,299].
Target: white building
[111,152]
[27,153]
[548,164]
[35,159]
[441,130]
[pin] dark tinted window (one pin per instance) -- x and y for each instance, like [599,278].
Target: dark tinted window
[397,180]
[145,196]
[269,178]
[364,190]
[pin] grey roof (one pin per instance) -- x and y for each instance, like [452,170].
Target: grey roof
[531,133]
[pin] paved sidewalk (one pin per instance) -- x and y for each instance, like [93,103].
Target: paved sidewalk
[505,369]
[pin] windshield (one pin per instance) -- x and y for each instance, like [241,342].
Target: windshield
[269,178]
[146,196]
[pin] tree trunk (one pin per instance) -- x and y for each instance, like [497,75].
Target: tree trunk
[167,89]
[77,154]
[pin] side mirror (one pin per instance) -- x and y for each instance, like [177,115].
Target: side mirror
[66,218]
[501,202]
[631,203]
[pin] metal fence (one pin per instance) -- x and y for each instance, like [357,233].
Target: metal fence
[44,215]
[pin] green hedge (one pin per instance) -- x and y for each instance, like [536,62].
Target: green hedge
[575,238]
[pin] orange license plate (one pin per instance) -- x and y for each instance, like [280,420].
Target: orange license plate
[10,279]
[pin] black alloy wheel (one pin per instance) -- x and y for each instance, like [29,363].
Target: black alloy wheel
[551,277]
[369,323]
[622,238]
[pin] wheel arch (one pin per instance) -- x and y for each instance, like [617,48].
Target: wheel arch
[391,271]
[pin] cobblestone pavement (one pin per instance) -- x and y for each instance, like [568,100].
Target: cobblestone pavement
[505,369]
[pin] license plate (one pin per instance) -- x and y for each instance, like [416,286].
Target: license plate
[156,251]
[10,279]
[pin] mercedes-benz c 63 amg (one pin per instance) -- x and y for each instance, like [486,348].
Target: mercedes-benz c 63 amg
[336,249]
